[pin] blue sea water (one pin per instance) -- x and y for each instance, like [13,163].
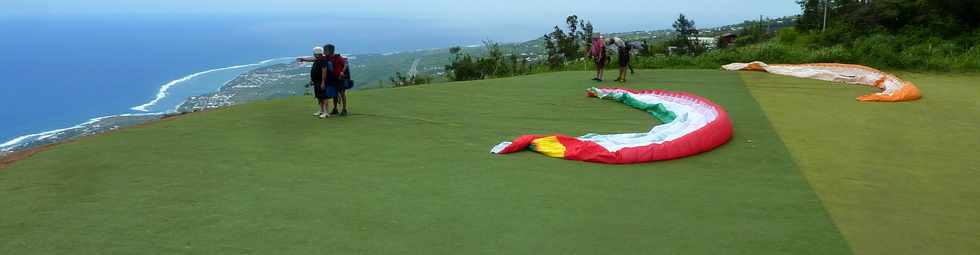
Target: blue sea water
[56,72]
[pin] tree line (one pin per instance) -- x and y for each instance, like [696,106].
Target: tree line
[934,35]
[939,35]
[945,18]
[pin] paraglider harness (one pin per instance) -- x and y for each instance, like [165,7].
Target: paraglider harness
[347,83]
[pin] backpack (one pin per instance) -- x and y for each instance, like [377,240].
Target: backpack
[348,83]
[329,68]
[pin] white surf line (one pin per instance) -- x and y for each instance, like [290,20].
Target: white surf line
[166,87]
[38,136]
[6,146]
[177,107]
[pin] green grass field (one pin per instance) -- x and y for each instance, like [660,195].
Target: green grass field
[898,178]
[809,171]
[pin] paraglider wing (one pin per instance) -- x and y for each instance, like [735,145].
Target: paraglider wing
[691,125]
[893,88]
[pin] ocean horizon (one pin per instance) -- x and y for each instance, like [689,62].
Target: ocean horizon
[62,73]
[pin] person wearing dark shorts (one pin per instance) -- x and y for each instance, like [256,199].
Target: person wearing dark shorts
[318,75]
[327,77]
[336,78]
[344,85]
[624,62]
[624,56]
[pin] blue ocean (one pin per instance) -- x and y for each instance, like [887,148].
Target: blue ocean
[56,72]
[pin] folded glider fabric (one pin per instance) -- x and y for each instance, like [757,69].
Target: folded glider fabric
[691,125]
[893,88]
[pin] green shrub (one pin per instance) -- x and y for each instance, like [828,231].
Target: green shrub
[878,50]
[969,60]
[788,36]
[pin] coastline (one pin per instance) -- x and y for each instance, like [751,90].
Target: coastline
[244,87]
[276,78]
[11,157]
[91,127]
[102,124]
[166,87]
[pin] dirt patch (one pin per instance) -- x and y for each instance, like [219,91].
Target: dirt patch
[10,159]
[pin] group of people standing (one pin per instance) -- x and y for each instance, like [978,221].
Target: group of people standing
[330,79]
[330,74]
[598,53]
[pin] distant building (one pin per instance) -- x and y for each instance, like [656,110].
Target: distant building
[708,43]
[726,40]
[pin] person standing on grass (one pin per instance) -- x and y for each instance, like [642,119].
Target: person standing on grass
[624,56]
[336,78]
[317,73]
[343,85]
[598,53]
[634,47]
[327,76]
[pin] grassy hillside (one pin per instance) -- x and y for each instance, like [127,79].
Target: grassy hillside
[410,172]
[897,178]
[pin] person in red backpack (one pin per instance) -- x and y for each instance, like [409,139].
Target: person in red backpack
[346,83]
[338,78]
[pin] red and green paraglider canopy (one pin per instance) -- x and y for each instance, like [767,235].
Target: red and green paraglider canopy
[691,125]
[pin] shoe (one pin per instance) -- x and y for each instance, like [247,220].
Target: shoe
[317,113]
[334,112]
[596,79]
[344,113]
[324,115]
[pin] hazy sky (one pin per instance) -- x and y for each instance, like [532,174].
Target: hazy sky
[619,15]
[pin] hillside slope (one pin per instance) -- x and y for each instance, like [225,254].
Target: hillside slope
[410,172]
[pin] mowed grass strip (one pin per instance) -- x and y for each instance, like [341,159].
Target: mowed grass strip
[898,178]
[410,173]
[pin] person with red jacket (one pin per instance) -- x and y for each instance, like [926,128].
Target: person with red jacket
[337,78]
[598,54]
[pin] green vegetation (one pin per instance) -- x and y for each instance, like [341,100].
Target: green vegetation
[410,173]
[877,51]
[400,80]
[560,50]
[494,63]
[685,37]
[375,70]
[562,47]
[914,35]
